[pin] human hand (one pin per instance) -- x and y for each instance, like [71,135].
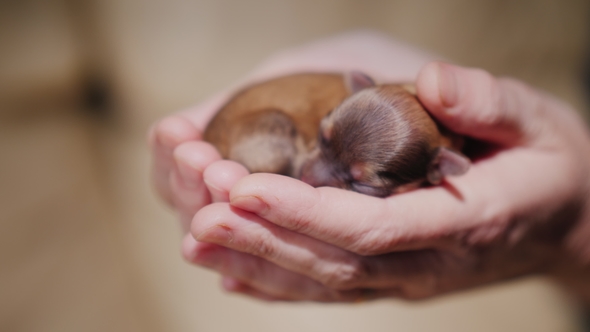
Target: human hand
[185,169]
[521,209]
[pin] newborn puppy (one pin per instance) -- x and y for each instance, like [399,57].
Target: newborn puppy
[373,139]
[381,141]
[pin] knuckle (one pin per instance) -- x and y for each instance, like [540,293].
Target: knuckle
[501,100]
[489,117]
[370,244]
[520,96]
[347,276]
[263,246]
[379,238]
[483,98]
[481,79]
[301,220]
[491,106]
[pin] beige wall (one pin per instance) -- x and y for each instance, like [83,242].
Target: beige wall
[85,246]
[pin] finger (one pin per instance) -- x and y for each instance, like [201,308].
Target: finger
[358,223]
[260,274]
[248,233]
[185,219]
[186,198]
[236,286]
[164,137]
[187,187]
[261,279]
[417,270]
[474,103]
[221,176]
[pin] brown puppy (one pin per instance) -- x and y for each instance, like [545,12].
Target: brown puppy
[378,141]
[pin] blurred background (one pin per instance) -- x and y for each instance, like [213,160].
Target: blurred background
[84,243]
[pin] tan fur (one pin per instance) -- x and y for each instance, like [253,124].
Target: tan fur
[304,99]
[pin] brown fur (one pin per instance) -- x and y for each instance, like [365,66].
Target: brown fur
[377,141]
[298,102]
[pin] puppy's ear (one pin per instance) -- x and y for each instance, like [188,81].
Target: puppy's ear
[446,162]
[356,81]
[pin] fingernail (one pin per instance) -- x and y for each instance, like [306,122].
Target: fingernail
[447,85]
[250,203]
[220,234]
[211,185]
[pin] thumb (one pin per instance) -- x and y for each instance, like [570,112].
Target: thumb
[474,103]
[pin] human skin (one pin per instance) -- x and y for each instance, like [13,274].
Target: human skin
[521,209]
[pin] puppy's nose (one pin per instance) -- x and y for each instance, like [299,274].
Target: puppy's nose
[316,173]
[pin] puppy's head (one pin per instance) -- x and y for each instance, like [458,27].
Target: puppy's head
[380,141]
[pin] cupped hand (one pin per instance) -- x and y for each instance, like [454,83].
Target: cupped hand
[521,209]
[180,159]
